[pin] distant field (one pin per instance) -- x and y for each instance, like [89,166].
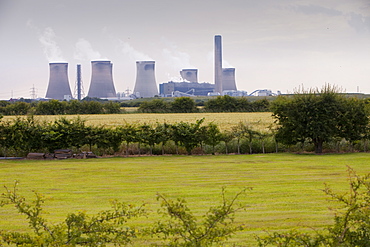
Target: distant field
[287,188]
[223,120]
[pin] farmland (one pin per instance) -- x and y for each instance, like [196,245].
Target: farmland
[223,120]
[287,188]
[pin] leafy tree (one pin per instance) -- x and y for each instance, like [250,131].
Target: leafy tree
[154,106]
[52,107]
[318,116]
[184,229]
[187,134]
[183,105]
[351,227]
[149,136]
[164,133]
[224,103]
[128,134]
[112,108]
[213,136]
[17,108]
[78,229]
[227,136]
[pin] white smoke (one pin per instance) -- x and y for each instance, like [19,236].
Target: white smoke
[133,54]
[84,51]
[174,58]
[211,59]
[51,49]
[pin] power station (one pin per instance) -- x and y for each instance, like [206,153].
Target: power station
[58,87]
[228,79]
[218,65]
[145,85]
[189,75]
[101,85]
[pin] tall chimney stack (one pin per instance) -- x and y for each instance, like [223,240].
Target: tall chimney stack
[145,85]
[218,64]
[58,81]
[101,85]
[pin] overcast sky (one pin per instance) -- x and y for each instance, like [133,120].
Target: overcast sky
[273,44]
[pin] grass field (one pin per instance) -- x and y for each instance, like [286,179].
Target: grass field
[287,188]
[259,120]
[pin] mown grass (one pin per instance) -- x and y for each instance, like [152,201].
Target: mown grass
[287,188]
[258,120]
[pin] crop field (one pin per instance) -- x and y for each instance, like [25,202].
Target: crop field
[259,121]
[287,188]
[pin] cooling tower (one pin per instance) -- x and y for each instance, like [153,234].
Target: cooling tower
[101,85]
[145,85]
[218,64]
[190,75]
[58,81]
[228,79]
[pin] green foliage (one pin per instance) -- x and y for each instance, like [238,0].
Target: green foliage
[351,226]
[182,228]
[227,103]
[188,135]
[319,116]
[183,105]
[78,229]
[155,105]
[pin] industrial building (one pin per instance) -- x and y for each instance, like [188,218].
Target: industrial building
[172,89]
[58,87]
[101,85]
[145,85]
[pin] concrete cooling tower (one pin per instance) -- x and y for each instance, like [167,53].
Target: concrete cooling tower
[228,79]
[58,86]
[218,64]
[101,85]
[190,75]
[145,85]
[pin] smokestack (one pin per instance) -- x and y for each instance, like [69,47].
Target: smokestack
[145,85]
[228,79]
[190,75]
[79,82]
[218,64]
[102,85]
[58,81]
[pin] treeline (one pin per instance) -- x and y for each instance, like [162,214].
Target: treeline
[93,106]
[224,103]
[25,134]
[56,107]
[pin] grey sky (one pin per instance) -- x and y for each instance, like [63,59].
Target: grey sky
[278,45]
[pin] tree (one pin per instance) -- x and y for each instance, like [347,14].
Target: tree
[318,116]
[154,106]
[183,228]
[351,227]
[78,229]
[183,105]
[227,136]
[128,134]
[187,134]
[213,136]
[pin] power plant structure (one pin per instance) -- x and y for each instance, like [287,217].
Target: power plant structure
[101,85]
[79,90]
[228,79]
[58,87]
[145,85]
[190,75]
[218,64]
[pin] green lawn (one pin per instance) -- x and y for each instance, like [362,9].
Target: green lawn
[287,188]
